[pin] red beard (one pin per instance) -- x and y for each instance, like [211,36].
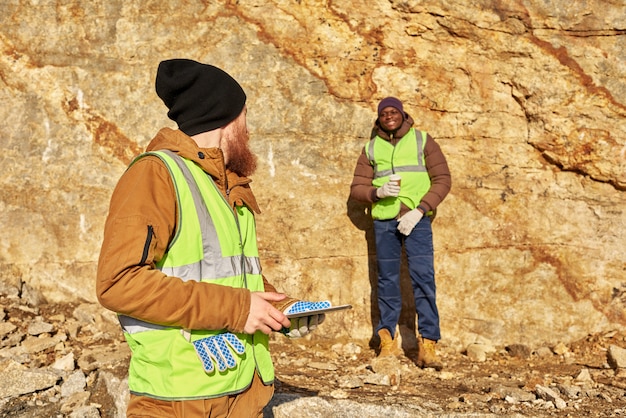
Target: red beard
[241,160]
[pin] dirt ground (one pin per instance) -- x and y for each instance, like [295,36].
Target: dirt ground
[464,387]
[314,368]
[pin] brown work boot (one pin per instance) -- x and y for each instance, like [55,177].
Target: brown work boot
[388,346]
[426,355]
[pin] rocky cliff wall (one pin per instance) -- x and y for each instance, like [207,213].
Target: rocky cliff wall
[526,98]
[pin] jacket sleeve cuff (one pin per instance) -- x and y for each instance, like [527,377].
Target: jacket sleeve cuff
[240,322]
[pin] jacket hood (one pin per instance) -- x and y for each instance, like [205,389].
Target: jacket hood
[176,141]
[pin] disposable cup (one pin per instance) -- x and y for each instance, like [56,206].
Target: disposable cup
[395,178]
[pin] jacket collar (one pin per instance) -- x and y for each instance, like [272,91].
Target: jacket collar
[234,187]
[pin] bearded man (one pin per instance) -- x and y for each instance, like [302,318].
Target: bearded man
[179,262]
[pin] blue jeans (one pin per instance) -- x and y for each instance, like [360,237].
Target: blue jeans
[419,250]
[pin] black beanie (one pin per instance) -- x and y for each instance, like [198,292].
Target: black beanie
[200,97]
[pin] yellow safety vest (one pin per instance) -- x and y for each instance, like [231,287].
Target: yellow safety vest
[211,245]
[407,159]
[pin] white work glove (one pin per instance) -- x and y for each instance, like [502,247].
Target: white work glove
[408,221]
[389,189]
[303,325]
[214,350]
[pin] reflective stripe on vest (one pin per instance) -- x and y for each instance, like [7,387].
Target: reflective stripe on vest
[407,159]
[212,245]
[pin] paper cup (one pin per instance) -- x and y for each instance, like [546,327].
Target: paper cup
[395,178]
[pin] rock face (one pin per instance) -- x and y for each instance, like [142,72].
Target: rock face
[527,100]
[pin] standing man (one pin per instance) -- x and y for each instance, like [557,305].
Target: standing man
[180,264]
[402,215]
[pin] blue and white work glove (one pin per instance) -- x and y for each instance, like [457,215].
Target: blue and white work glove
[303,325]
[408,221]
[216,351]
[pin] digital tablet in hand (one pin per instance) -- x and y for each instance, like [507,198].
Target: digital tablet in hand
[319,311]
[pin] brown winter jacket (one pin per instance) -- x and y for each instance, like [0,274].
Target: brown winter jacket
[127,281]
[362,190]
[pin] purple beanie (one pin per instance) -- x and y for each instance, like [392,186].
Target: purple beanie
[390,102]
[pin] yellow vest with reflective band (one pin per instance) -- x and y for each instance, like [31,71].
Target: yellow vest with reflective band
[407,159]
[211,245]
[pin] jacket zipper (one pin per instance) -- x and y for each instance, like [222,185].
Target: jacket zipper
[393,169]
[146,246]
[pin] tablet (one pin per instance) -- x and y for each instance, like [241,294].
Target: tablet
[319,311]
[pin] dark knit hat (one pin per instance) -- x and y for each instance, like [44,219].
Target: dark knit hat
[200,97]
[390,102]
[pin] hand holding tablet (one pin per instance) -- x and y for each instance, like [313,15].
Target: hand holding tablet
[306,316]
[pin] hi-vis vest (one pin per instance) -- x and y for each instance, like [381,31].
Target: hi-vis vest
[211,245]
[407,159]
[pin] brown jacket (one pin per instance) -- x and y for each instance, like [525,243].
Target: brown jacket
[127,281]
[362,190]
